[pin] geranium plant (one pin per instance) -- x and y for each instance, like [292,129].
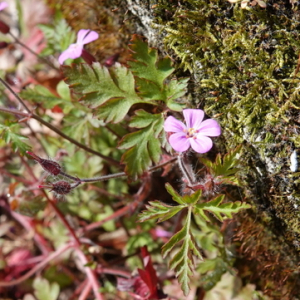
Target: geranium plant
[134,106]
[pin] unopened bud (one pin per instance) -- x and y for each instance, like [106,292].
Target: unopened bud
[3,45]
[88,57]
[60,187]
[48,165]
[110,61]
[4,28]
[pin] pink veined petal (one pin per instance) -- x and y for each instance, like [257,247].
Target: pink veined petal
[202,144]
[64,55]
[90,37]
[193,117]
[74,51]
[173,125]
[3,5]
[210,127]
[81,35]
[179,142]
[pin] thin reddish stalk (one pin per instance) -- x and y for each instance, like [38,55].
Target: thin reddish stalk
[139,197]
[39,239]
[112,271]
[86,291]
[63,219]
[90,274]
[39,266]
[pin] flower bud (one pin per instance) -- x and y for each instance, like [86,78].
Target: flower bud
[4,28]
[61,187]
[88,57]
[3,45]
[48,165]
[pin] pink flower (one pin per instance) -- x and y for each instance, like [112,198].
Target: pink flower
[3,5]
[84,36]
[194,134]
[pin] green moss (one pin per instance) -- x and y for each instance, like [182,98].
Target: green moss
[242,60]
[243,63]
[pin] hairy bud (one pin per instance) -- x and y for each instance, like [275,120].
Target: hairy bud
[48,165]
[4,28]
[3,45]
[60,188]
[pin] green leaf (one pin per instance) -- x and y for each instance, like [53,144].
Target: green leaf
[160,211]
[16,140]
[174,90]
[225,169]
[187,199]
[212,271]
[146,65]
[109,93]
[42,95]
[29,207]
[144,145]
[182,261]
[44,290]
[151,74]
[220,211]
[58,36]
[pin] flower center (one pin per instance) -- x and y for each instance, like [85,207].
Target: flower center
[191,133]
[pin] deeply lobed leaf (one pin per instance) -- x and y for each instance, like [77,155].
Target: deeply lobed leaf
[160,211]
[220,210]
[146,65]
[16,140]
[109,93]
[144,145]
[224,169]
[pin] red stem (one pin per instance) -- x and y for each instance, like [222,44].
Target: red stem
[90,274]
[139,197]
[39,266]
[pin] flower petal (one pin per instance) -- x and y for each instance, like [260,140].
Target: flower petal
[179,142]
[74,51]
[64,55]
[173,125]
[202,144]
[193,117]
[81,35]
[3,5]
[86,36]
[210,127]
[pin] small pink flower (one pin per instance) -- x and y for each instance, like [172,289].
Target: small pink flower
[84,36]
[194,134]
[3,5]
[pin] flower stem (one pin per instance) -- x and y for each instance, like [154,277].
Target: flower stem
[53,128]
[46,61]
[184,171]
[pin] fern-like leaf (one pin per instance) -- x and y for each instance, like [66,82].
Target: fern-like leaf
[151,74]
[220,210]
[224,169]
[182,261]
[10,136]
[144,145]
[109,93]
[160,211]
